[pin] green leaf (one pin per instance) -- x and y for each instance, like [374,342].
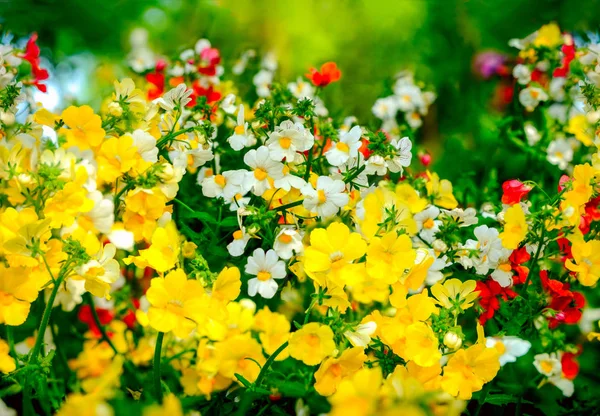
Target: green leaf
[243,380]
[500,399]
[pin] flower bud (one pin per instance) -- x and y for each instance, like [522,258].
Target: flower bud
[439,246]
[7,117]
[452,340]
[115,109]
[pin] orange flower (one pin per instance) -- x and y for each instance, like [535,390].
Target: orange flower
[329,73]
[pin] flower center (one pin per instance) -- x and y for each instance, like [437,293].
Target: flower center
[263,276]
[546,366]
[312,340]
[238,235]
[428,223]
[239,130]
[342,147]
[285,142]
[220,180]
[285,238]
[336,370]
[260,174]
[505,267]
[322,196]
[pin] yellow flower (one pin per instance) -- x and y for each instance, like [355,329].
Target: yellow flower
[116,157]
[7,363]
[171,406]
[408,195]
[143,208]
[163,253]
[228,284]
[421,345]
[549,36]
[85,127]
[440,191]
[454,292]
[333,370]
[175,302]
[69,202]
[586,261]
[21,235]
[581,129]
[357,395]
[17,291]
[274,330]
[312,343]
[515,227]
[240,354]
[386,211]
[78,404]
[331,255]
[581,188]
[93,360]
[468,370]
[390,257]
[189,250]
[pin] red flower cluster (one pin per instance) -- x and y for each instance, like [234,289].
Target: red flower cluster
[85,315]
[566,303]
[157,80]
[513,191]
[568,51]
[329,73]
[490,293]
[517,258]
[32,55]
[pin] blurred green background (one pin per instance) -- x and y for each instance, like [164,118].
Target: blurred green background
[370,40]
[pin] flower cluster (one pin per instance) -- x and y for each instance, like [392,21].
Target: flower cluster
[186,247]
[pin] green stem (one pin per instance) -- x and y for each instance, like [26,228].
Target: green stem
[534,263]
[10,338]
[483,396]
[156,366]
[90,301]
[290,205]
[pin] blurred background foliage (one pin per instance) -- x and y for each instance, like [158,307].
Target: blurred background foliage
[371,40]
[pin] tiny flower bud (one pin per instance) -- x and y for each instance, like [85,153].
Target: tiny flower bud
[7,118]
[452,340]
[439,246]
[115,109]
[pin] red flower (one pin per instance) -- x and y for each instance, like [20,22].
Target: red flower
[425,159]
[210,58]
[199,91]
[513,191]
[568,55]
[566,303]
[562,181]
[85,315]
[32,55]
[570,367]
[157,81]
[329,73]
[490,293]
[517,258]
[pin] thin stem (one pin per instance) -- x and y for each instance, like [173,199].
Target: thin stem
[10,338]
[156,366]
[90,301]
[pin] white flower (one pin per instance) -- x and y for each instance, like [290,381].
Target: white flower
[402,155]
[413,119]
[176,97]
[288,243]
[122,239]
[101,271]
[263,168]
[288,180]
[503,274]
[531,133]
[238,245]
[301,89]
[228,104]
[560,153]
[530,97]
[522,74]
[376,165]
[226,186]
[241,136]
[70,294]
[102,214]
[361,336]
[564,384]
[346,148]
[509,347]
[385,108]
[327,199]
[463,218]
[408,96]
[287,139]
[490,249]
[146,145]
[262,81]
[266,267]
[269,61]
[427,224]
[7,411]
[547,364]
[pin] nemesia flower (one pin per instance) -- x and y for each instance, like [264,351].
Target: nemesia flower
[513,191]
[312,343]
[509,347]
[266,267]
[241,137]
[287,139]
[346,148]
[515,227]
[329,73]
[333,370]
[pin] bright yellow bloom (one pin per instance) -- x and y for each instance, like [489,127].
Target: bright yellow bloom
[421,345]
[175,302]
[357,395]
[143,208]
[7,363]
[581,188]
[93,360]
[440,191]
[581,129]
[390,257]
[586,261]
[409,196]
[454,292]
[333,370]
[468,370]
[171,406]
[163,253]
[312,343]
[386,211]
[331,255]
[228,284]
[85,128]
[515,227]
[69,202]
[189,250]
[17,291]
[116,157]
[240,354]
[274,331]
[549,36]
[21,235]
